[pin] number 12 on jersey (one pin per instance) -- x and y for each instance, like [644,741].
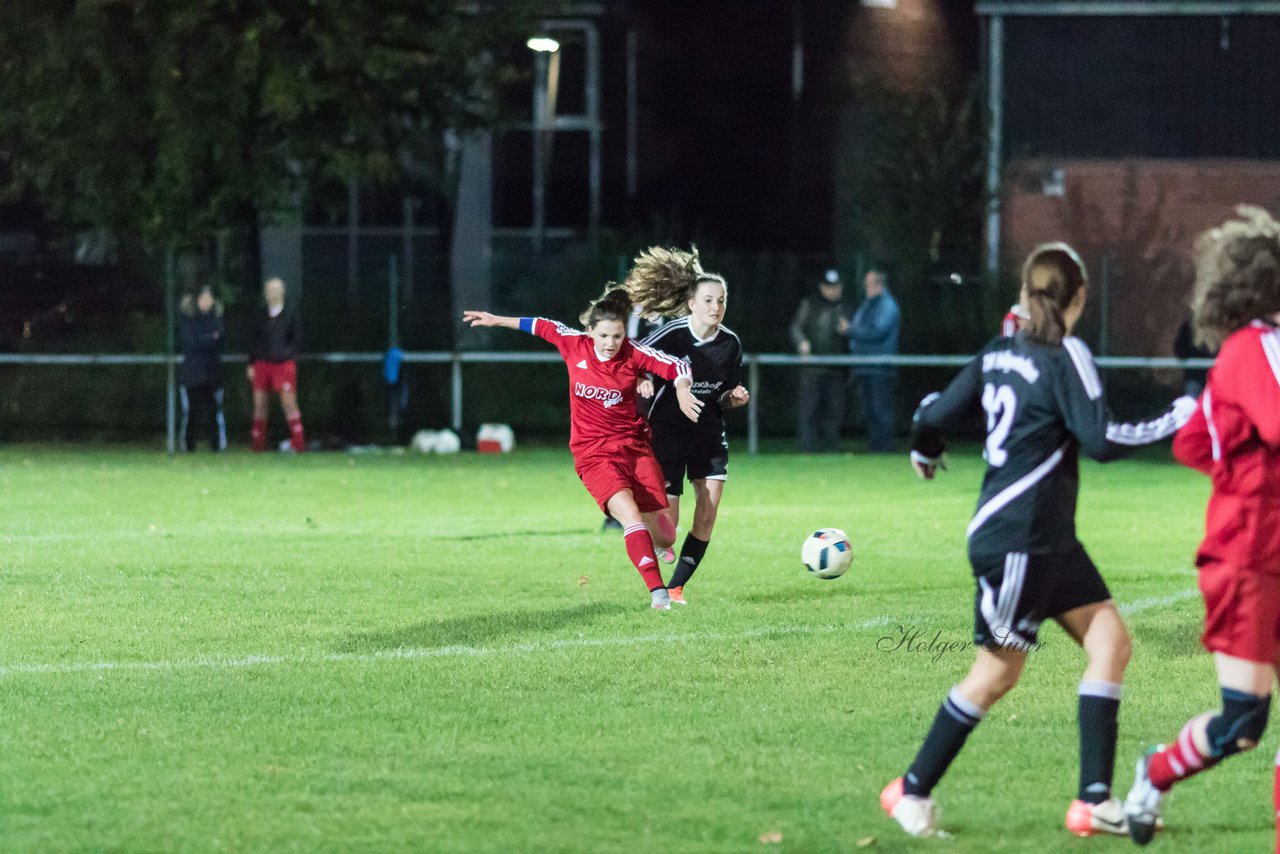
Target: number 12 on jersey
[1000,403]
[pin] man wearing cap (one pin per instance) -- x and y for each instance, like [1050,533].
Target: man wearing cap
[819,329]
[874,332]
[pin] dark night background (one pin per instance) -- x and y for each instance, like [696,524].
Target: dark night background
[1124,135]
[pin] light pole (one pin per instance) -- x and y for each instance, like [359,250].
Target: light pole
[546,89]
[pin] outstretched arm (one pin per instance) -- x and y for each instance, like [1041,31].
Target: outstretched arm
[484,318]
[1084,407]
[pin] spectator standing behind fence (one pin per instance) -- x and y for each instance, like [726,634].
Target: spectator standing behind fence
[1185,347]
[874,332]
[200,374]
[819,329]
[277,334]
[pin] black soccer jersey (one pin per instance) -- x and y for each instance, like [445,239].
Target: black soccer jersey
[1042,404]
[717,368]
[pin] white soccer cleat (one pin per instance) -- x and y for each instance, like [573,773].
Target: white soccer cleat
[660,600]
[1142,806]
[1086,819]
[916,815]
[665,555]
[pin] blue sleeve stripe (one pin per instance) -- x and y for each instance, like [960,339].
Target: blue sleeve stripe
[526,324]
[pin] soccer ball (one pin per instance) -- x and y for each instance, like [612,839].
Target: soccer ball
[827,553]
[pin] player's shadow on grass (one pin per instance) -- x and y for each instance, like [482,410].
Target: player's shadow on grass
[1177,639]
[481,630]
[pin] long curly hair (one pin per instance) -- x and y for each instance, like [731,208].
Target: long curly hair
[1237,274]
[613,304]
[662,281]
[1051,277]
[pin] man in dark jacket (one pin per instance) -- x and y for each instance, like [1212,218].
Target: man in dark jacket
[200,373]
[277,334]
[874,332]
[818,329]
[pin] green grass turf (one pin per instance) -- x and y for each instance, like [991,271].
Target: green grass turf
[332,653]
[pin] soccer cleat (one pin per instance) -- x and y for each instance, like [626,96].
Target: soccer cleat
[1142,807]
[677,595]
[916,815]
[660,599]
[665,555]
[1086,819]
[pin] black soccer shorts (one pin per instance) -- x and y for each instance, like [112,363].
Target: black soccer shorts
[1017,591]
[695,454]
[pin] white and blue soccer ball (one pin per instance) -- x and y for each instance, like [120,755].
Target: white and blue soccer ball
[827,553]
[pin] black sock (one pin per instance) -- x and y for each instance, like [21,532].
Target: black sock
[691,554]
[1098,713]
[955,720]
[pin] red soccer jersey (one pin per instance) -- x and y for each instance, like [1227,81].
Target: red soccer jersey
[602,393]
[1234,437]
[1009,326]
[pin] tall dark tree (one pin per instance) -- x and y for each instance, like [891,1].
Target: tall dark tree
[168,122]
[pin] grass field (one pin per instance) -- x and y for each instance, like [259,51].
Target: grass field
[332,653]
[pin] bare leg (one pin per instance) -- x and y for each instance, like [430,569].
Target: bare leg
[708,494]
[288,402]
[662,523]
[994,673]
[260,399]
[1099,629]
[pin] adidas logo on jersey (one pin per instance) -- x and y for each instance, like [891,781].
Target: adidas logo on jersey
[582,364]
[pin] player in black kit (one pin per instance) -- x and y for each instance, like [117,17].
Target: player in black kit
[698,451]
[1043,403]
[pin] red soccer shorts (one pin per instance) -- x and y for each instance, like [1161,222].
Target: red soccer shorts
[1242,612]
[275,376]
[624,466]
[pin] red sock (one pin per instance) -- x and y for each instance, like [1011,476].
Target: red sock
[296,438]
[640,550]
[258,435]
[1177,762]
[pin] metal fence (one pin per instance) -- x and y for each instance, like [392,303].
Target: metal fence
[457,360]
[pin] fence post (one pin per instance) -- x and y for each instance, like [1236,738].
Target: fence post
[1104,322]
[455,392]
[753,411]
[171,392]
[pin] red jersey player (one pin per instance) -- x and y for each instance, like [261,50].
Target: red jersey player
[1234,437]
[608,438]
[1013,320]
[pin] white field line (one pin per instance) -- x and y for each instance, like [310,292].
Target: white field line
[1139,605]
[465,651]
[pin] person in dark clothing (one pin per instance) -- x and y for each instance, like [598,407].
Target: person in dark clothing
[819,329]
[1185,347]
[874,332]
[277,334]
[200,374]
